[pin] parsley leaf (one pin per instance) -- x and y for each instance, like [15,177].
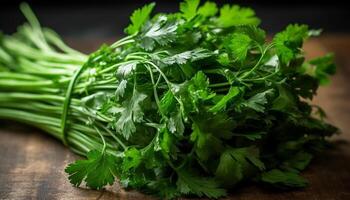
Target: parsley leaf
[187,56]
[132,159]
[189,9]
[138,18]
[236,16]
[193,92]
[278,178]
[289,41]
[97,171]
[207,140]
[297,162]
[162,32]
[255,33]
[209,9]
[258,101]
[236,164]
[239,45]
[323,68]
[131,114]
[121,88]
[188,183]
[284,101]
[233,92]
[125,70]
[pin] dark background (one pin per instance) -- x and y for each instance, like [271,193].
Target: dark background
[107,18]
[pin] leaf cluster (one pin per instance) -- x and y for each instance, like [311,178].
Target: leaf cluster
[227,105]
[190,103]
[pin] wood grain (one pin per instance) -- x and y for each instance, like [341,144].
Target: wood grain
[32,163]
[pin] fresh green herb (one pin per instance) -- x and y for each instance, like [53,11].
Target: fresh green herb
[139,18]
[191,103]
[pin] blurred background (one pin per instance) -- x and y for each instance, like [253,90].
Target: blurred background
[86,19]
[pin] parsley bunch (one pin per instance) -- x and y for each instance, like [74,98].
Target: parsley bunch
[189,103]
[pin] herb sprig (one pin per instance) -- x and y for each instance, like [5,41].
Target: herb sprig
[189,103]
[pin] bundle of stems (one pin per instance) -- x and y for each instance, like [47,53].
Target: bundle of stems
[36,70]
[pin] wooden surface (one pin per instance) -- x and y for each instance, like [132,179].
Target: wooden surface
[32,163]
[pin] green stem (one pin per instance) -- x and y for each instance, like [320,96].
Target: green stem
[117,43]
[219,84]
[263,53]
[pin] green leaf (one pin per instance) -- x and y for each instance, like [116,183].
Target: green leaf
[161,32]
[193,92]
[221,105]
[255,33]
[297,162]
[289,41]
[98,170]
[189,9]
[132,159]
[211,123]
[126,69]
[187,56]
[138,18]
[229,170]
[188,183]
[176,124]
[258,101]
[237,164]
[167,103]
[224,59]
[278,178]
[284,101]
[121,88]
[209,9]
[199,86]
[206,143]
[166,141]
[131,114]
[236,16]
[239,45]
[323,68]
[205,135]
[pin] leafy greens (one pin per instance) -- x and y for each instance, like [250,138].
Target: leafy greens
[189,103]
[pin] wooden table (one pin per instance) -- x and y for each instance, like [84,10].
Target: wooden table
[32,163]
